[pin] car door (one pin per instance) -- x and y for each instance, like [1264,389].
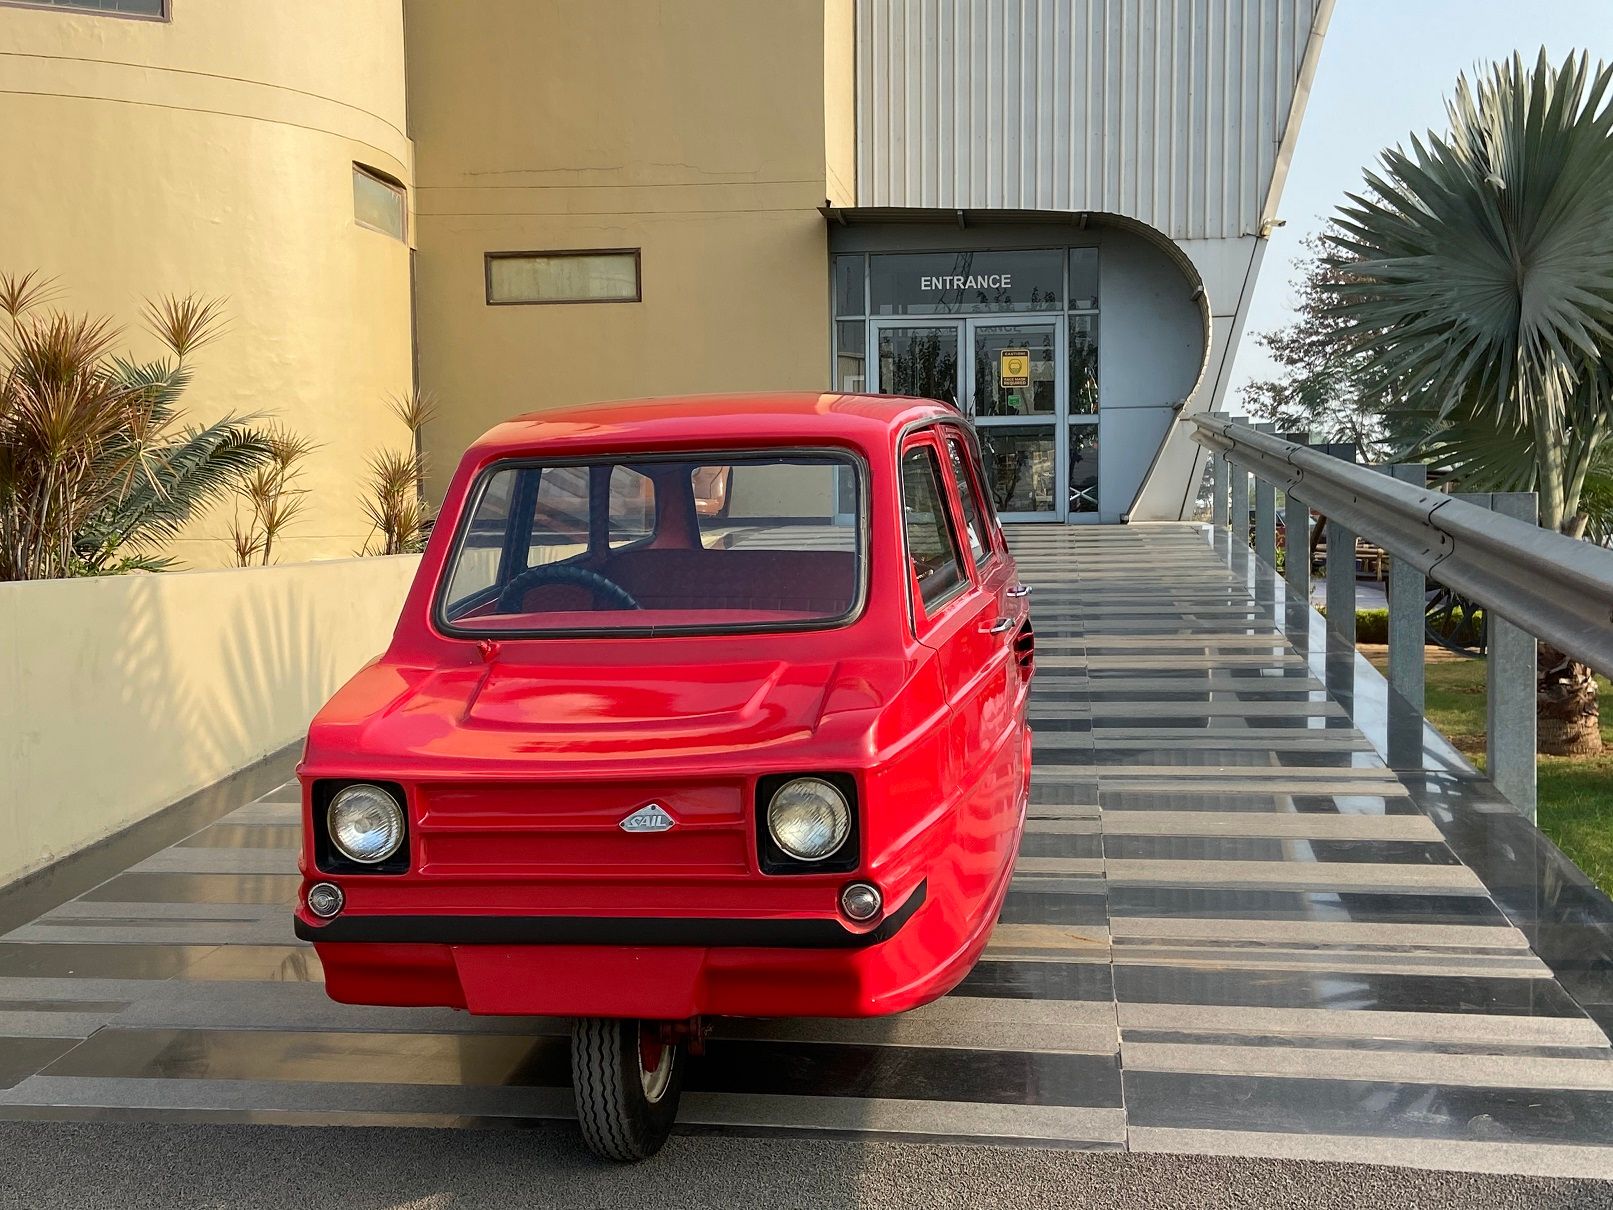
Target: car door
[957,610]
[1005,696]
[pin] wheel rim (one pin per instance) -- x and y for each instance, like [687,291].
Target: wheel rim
[654,1062]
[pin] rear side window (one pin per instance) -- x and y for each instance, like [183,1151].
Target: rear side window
[936,562]
[632,507]
[974,524]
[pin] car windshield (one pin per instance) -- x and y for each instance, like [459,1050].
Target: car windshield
[634,546]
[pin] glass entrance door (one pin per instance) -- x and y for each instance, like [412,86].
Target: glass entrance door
[1016,400]
[1003,374]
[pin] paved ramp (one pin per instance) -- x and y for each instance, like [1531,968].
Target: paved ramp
[1233,930]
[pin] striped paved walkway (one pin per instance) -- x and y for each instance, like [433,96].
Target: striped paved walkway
[1233,930]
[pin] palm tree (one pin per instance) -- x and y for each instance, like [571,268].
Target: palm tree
[1477,277]
[96,473]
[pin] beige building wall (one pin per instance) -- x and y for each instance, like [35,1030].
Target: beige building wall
[695,131]
[213,153]
[123,694]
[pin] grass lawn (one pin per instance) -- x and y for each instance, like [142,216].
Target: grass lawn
[1576,794]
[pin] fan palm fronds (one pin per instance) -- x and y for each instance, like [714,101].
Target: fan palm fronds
[1476,272]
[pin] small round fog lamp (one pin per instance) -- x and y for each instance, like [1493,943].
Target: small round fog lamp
[325,899]
[861,902]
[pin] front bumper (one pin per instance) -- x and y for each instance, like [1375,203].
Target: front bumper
[917,953]
[634,931]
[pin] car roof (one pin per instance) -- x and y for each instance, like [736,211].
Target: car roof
[691,421]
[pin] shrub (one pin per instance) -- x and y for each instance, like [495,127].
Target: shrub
[95,471]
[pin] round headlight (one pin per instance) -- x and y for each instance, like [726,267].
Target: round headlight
[366,824]
[808,819]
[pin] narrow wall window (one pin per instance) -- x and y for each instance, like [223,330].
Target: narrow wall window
[379,202]
[582,276]
[153,10]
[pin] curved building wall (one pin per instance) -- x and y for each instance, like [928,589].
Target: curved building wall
[213,153]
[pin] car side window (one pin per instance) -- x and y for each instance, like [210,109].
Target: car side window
[932,548]
[974,521]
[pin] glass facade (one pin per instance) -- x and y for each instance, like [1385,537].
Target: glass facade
[965,283]
[1021,468]
[1009,336]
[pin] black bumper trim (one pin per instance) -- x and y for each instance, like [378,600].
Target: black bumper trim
[611,930]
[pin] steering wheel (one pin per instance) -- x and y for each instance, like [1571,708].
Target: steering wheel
[510,599]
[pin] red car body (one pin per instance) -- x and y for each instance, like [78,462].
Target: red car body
[519,759]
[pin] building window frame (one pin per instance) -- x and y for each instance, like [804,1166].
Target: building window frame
[89,10]
[556,254]
[391,183]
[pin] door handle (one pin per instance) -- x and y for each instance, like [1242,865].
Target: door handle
[1019,590]
[1000,626]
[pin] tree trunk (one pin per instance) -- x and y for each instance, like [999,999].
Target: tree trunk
[1568,720]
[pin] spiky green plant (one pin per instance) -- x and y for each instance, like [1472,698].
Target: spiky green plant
[269,499]
[1476,275]
[394,507]
[96,471]
[396,504]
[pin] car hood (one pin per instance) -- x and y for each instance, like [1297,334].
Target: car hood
[577,713]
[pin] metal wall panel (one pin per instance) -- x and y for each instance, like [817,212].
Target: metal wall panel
[1168,111]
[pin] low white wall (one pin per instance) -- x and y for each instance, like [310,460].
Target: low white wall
[122,694]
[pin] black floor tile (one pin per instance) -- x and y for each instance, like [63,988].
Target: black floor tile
[1010,980]
[1043,907]
[64,960]
[23,1057]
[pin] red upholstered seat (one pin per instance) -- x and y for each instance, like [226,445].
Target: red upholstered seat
[805,582]
[800,581]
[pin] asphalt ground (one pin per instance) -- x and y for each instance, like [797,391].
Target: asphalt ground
[178,1166]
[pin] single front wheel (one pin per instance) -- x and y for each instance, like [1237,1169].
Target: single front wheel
[627,1081]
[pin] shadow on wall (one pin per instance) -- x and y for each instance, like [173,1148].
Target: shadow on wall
[129,692]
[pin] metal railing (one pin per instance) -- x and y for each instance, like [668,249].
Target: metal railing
[1533,583]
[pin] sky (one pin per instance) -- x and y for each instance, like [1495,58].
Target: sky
[1387,67]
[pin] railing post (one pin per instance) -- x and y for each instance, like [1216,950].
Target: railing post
[1297,571]
[1240,504]
[1408,606]
[1510,673]
[1219,468]
[1266,522]
[1340,582]
[1265,514]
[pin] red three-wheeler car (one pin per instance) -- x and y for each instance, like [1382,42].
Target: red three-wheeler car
[697,708]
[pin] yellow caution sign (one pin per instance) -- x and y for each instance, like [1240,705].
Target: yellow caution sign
[1014,368]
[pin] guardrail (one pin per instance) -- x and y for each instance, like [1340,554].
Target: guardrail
[1536,584]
